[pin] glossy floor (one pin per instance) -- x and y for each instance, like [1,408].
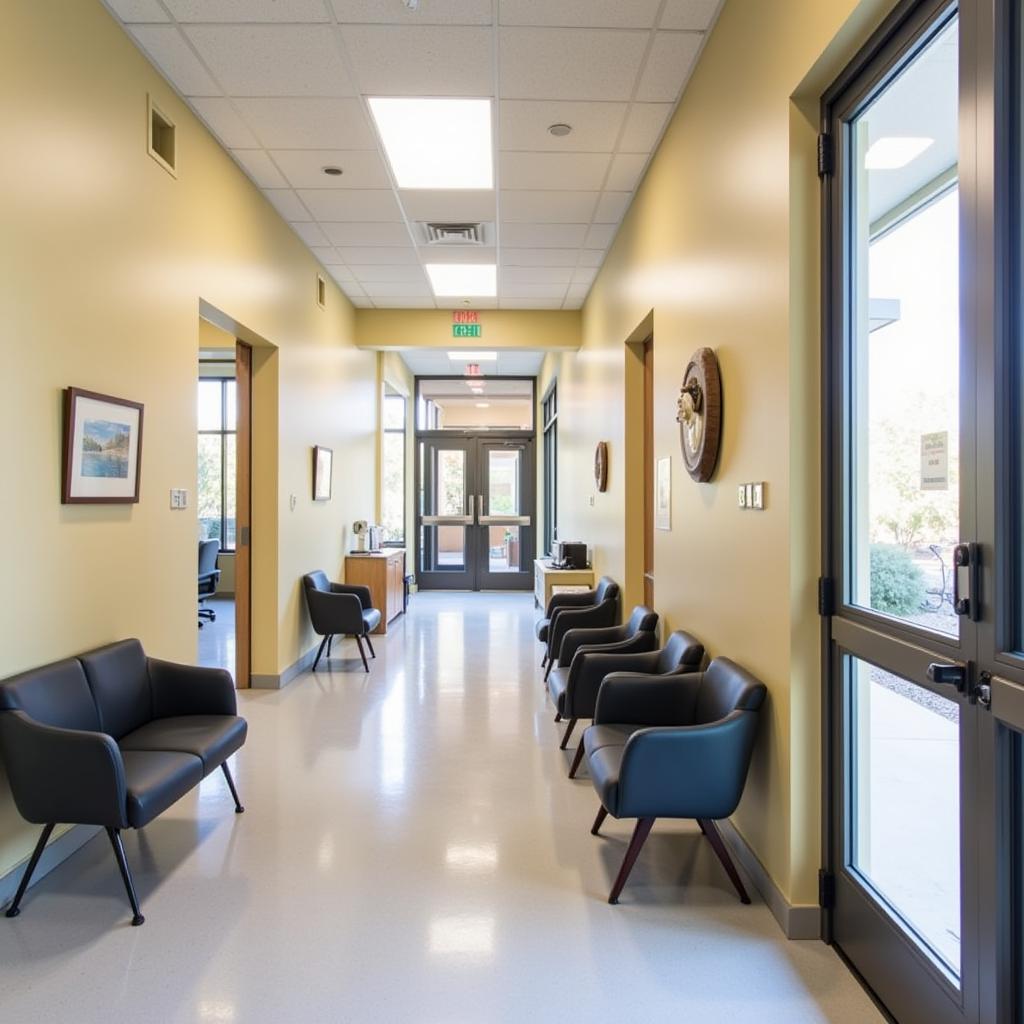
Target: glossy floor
[215,646]
[411,851]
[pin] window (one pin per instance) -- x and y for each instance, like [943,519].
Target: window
[392,498]
[549,416]
[216,481]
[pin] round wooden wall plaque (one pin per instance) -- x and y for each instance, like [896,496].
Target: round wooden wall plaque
[700,415]
[601,466]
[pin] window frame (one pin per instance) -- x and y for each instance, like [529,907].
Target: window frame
[404,431]
[549,434]
[224,431]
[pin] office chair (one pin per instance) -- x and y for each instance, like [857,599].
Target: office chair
[209,575]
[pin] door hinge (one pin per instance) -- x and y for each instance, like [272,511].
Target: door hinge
[981,692]
[826,155]
[826,596]
[826,889]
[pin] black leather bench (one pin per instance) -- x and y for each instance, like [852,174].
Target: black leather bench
[113,738]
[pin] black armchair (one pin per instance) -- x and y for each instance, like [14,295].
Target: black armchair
[209,575]
[676,747]
[339,609]
[593,609]
[631,638]
[582,681]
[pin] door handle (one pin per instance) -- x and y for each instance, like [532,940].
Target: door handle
[966,597]
[948,675]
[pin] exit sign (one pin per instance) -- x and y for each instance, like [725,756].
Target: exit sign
[465,316]
[466,330]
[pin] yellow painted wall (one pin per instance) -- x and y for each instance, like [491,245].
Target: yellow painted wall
[104,258]
[397,375]
[721,243]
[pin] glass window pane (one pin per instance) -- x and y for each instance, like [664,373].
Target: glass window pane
[208,496]
[231,405]
[905,806]
[904,360]
[451,483]
[209,405]
[230,492]
[503,549]
[392,499]
[444,549]
[503,482]
[394,412]
[473,403]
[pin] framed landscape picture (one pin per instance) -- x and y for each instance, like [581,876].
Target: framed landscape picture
[323,465]
[102,449]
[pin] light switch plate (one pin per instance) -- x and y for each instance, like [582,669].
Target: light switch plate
[179,498]
[741,497]
[758,495]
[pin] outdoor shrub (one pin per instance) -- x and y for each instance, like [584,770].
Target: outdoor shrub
[897,586]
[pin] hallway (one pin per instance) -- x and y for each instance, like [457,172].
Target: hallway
[411,850]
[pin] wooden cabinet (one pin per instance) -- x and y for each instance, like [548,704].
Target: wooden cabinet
[384,573]
[546,579]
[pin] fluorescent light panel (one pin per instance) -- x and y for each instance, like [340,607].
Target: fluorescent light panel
[456,280]
[436,143]
[893,152]
[474,357]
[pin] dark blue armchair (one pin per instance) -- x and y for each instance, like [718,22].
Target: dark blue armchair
[676,747]
[589,608]
[340,609]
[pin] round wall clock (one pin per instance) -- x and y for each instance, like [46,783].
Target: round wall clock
[601,466]
[700,414]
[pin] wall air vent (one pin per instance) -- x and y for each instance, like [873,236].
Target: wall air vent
[455,234]
[161,140]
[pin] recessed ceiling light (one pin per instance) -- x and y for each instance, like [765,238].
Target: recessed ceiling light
[473,357]
[894,152]
[334,172]
[483,405]
[560,130]
[479,280]
[436,143]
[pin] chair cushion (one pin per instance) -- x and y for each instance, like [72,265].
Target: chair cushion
[604,746]
[371,619]
[119,679]
[56,694]
[558,683]
[211,738]
[542,630]
[155,779]
[598,736]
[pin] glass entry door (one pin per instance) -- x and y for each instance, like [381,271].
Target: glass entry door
[475,513]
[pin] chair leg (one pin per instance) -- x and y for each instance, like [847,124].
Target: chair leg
[568,733]
[547,671]
[595,829]
[369,643]
[544,659]
[126,875]
[558,717]
[239,809]
[316,660]
[576,760]
[722,851]
[362,653]
[640,834]
[15,908]
[330,644]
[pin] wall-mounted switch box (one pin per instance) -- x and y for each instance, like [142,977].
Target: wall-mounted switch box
[751,496]
[758,495]
[179,497]
[741,500]
[591,501]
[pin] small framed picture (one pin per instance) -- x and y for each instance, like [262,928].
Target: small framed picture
[102,454]
[323,471]
[663,494]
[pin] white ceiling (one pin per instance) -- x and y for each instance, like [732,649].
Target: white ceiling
[283,85]
[510,363]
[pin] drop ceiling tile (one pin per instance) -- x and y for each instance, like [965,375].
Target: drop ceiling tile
[569,64]
[248,10]
[553,170]
[400,289]
[309,232]
[304,168]
[625,172]
[572,304]
[406,275]
[407,302]
[524,125]
[592,257]
[534,290]
[260,168]
[342,275]
[577,293]
[695,15]
[543,236]
[580,13]
[366,234]
[536,207]
[405,60]
[600,236]
[457,254]
[137,10]
[534,275]
[326,254]
[539,257]
[224,122]
[352,289]
[351,204]
[454,206]
[612,206]
[583,276]
[379,255]
[307,123]
[511,303]
[436,12]
[362,303]
[644,124]
[169,51]
[668,66]
[272,60]
[287,203]
[474,303]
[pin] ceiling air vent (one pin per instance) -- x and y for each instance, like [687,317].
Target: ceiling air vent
[454,234]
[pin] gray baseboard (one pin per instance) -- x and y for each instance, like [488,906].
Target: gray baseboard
[797,921]
[56,853]
[278,682]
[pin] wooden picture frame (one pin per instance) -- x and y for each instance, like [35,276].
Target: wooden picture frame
[102,449]
[323,472]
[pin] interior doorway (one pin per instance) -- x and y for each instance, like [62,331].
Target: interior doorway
[648,357]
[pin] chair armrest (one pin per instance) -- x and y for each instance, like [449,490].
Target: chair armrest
[695,771]
[579,636]
[190,690]
[588,668]
[596,616]
[577,599]
[363,593]
[627,698]
[69,776]
[335,613]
